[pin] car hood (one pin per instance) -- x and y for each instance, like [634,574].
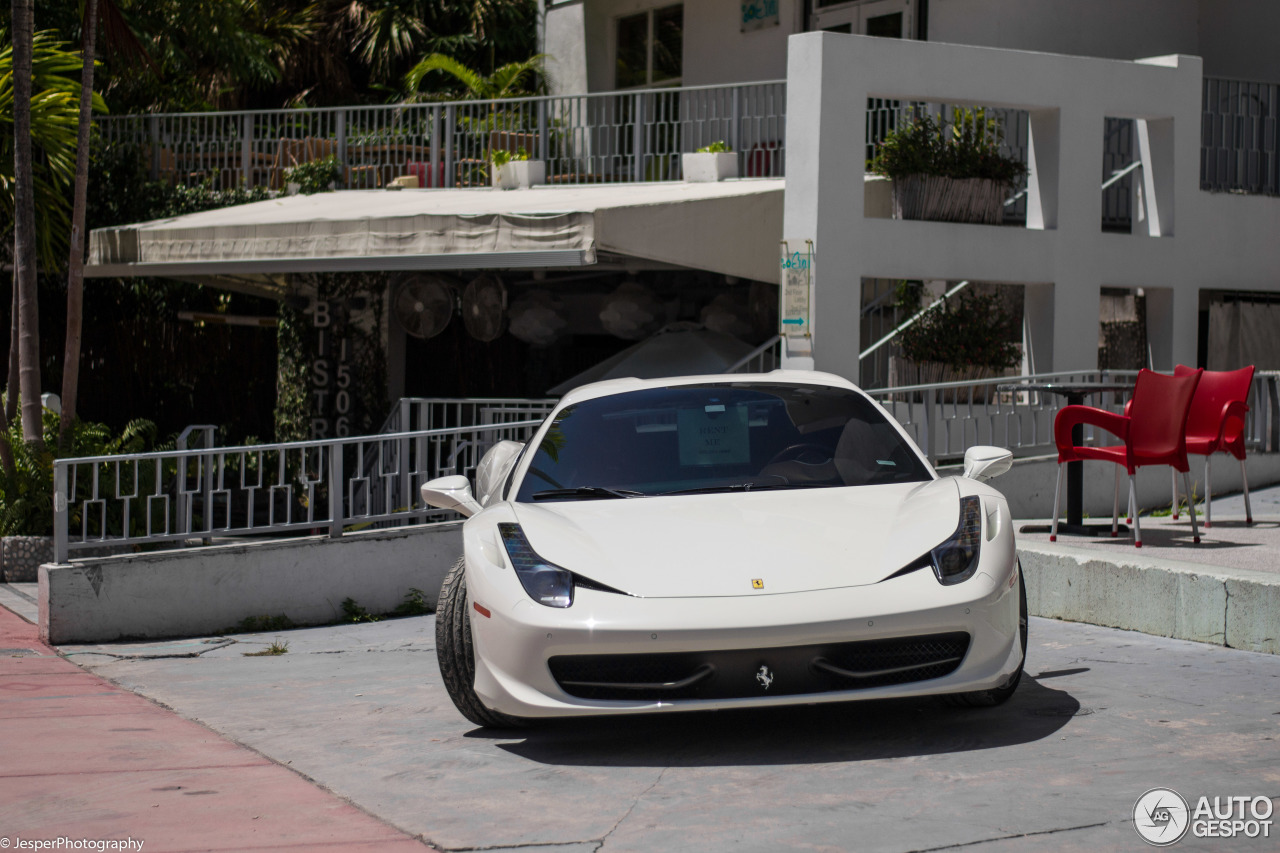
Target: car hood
[718,544]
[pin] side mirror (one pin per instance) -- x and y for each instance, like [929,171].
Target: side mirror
[450,493]
[983,463]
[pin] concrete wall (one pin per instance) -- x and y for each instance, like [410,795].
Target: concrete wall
[211,590]
[1028,486]
[1189,239]
[1166,598]
[1238,39]
[1106,28]
[580,36]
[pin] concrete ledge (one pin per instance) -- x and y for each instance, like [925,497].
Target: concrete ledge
[209,590]
[1028,485]
[1166,598]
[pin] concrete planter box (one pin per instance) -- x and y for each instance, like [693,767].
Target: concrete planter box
[519,174]
[948,199]
[21,556]
[705,168]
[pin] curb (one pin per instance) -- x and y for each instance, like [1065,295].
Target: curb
[1229,607]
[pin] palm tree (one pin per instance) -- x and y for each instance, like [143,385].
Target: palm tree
[24,228]
[75,264]
[505,82]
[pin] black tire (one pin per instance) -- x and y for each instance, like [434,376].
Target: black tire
[456,656]
[1000,695]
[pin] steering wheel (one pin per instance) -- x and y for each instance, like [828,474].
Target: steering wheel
[804,452]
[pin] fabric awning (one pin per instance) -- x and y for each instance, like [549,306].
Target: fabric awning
[731,227]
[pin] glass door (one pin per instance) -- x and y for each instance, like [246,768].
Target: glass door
[884,18]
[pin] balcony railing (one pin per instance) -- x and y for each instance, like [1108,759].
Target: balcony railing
[1239,151]
[593,138]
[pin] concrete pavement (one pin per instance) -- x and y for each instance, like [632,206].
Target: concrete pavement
[1102,716]
[85,759]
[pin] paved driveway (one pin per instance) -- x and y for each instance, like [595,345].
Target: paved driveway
[1104,716]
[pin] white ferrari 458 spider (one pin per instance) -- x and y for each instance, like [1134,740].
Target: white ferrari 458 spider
[725,542]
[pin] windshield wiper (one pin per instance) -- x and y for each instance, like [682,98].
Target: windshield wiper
[742,487]
[586,492]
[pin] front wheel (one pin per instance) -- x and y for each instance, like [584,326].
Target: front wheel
[1000,695]
[456,655]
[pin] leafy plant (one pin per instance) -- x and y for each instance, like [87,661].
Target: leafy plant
[276,648]
[26,497]
[968,147]
[501,156]
[55,92]
[316,176]
[505,82]
[972,330]
[717,147]
[414,604]
[353,612]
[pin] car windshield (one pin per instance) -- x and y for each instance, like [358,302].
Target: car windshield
[717,437]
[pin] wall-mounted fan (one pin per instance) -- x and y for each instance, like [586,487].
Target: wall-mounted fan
[424,304]
[484,307]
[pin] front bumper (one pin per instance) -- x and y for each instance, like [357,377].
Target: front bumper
[514,645]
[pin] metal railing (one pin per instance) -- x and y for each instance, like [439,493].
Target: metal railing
[261,490]
[418,413]
[947,418]
[591,138]
[1239,151]
[762,359]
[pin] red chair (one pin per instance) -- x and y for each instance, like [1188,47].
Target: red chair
[1216,424]
[1154,432]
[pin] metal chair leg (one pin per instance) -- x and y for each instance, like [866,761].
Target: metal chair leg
[1208,493]
[1174,476]
[1115,507]
[1191,509]
[1133,504]
[1057,498]
[1248,510]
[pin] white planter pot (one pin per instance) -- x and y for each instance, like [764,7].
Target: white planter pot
[518,174]
[709,167]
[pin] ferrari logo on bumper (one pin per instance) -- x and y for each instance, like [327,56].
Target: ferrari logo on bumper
[757,583]
[765,677]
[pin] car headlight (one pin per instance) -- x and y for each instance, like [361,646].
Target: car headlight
[545,582]
[957,559]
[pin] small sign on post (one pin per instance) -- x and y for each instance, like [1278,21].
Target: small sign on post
[797,296]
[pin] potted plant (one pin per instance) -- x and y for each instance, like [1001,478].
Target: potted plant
[514,170]
[966,338]
[948,173]
[713,162]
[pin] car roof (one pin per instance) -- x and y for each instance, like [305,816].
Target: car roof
[776,377]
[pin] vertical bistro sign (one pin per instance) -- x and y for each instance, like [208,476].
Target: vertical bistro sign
[796,259]
[758,14]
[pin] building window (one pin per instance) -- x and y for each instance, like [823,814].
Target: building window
[649,48]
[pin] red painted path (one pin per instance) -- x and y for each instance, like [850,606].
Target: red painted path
[82,758]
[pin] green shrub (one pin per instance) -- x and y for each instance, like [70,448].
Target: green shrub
[717,147]
[501,156]
[26,497]
[972,330]
[315,176]
[968,148]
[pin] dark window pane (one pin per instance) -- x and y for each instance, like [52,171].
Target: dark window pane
[885,26]
[718,437]
[668,43]
[633,38]
[847,29]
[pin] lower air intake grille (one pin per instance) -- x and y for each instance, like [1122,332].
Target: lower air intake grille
[739,673]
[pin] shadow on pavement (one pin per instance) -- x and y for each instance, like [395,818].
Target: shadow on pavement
[813,734]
